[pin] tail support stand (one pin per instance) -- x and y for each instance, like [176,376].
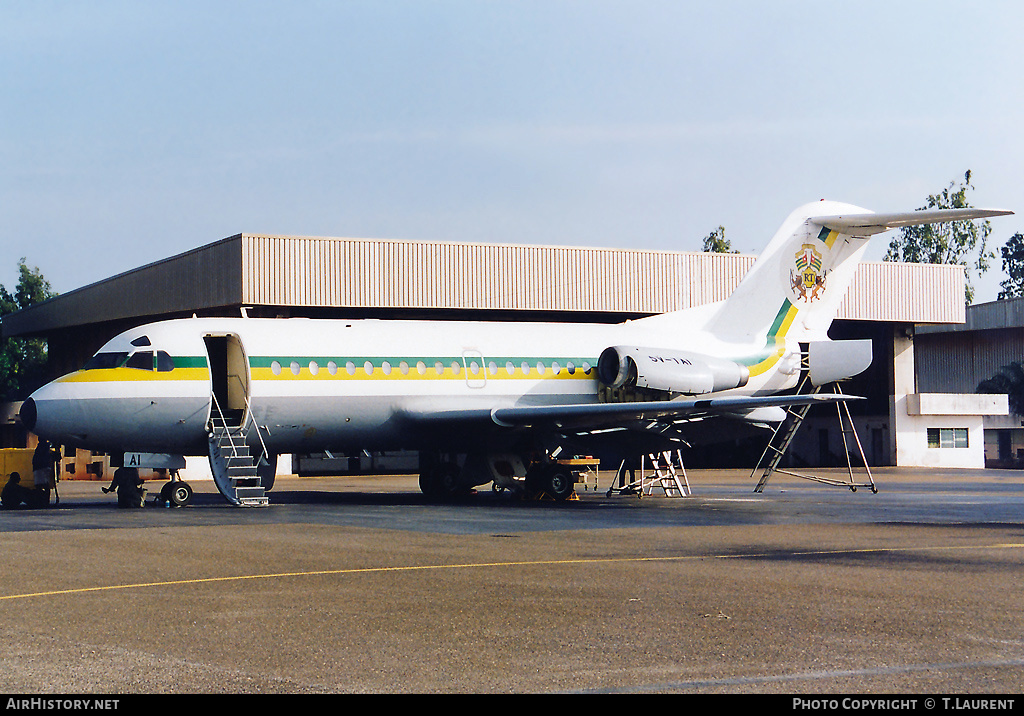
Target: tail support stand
[786,431]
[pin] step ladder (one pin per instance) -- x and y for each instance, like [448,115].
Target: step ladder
[235,469]
[669,473]
[783,436]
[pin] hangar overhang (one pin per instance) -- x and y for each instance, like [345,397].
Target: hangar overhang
[294,275]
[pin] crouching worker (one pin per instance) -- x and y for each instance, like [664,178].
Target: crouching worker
[14,493]
[129,488]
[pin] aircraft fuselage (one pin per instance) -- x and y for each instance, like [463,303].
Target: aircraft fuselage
[326,384]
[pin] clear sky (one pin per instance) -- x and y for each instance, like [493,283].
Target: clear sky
[132,131]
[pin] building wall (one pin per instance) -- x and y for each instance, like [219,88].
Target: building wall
[957,361]
[930,392]
[914,449]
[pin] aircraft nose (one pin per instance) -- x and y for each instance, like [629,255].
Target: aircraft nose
[29,414]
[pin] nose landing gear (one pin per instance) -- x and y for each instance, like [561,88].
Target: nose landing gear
[176,493]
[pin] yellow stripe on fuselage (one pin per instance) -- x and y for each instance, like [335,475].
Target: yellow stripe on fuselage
[121,375]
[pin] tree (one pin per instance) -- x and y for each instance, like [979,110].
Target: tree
[1013,265]
[1009,380]
[954,242]
[715,242]
[23,360]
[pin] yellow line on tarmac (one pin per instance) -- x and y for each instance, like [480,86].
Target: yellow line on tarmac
[483,565]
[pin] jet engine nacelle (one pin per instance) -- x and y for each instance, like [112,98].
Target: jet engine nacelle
[670,371]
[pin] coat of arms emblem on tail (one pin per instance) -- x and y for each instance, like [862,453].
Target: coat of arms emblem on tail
[808,280]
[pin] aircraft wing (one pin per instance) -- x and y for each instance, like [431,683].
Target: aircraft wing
[597,415]
[868,224]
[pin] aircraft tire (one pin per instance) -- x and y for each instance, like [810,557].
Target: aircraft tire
[448,480]
[178,493]
[559,484]
[429,483]
[441,482]
[556,482]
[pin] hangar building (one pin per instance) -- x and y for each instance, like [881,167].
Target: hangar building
[954,358]
[289,276]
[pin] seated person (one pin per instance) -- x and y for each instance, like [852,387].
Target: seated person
[14,493]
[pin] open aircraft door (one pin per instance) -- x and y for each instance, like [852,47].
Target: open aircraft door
[229,378]
[242,469]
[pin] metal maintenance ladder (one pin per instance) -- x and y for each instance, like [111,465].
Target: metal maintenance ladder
[235,468]
[783,436]
[669,475]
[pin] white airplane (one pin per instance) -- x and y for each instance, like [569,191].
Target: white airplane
[480,401]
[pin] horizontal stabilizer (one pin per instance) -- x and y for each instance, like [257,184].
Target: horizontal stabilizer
[868,224]
[829,361]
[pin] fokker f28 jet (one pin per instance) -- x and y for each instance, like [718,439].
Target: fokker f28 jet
[480,401]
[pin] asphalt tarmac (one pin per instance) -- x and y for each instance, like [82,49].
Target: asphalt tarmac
[360,585]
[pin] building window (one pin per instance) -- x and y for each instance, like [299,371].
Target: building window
[947,437]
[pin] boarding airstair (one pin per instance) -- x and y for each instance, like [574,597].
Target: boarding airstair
[235,468]
[783,436]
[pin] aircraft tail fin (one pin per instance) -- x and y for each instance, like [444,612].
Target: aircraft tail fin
[797,284]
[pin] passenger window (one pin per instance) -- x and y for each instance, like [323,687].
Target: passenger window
[164,362]
[143,360]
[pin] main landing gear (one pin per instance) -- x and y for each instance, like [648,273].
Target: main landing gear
[550,479]
[441,481]
[547,478]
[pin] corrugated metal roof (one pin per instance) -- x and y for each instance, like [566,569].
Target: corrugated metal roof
[203,278]
[290,271]
[303,271]
[955,362]
[906,293]
[994,315]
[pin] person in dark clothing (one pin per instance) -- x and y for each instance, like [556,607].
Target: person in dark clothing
[43,460]
[128,485]
[14,493]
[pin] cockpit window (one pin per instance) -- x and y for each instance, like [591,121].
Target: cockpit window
[164,362]
[105,360]
[142,360]
[141,341]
